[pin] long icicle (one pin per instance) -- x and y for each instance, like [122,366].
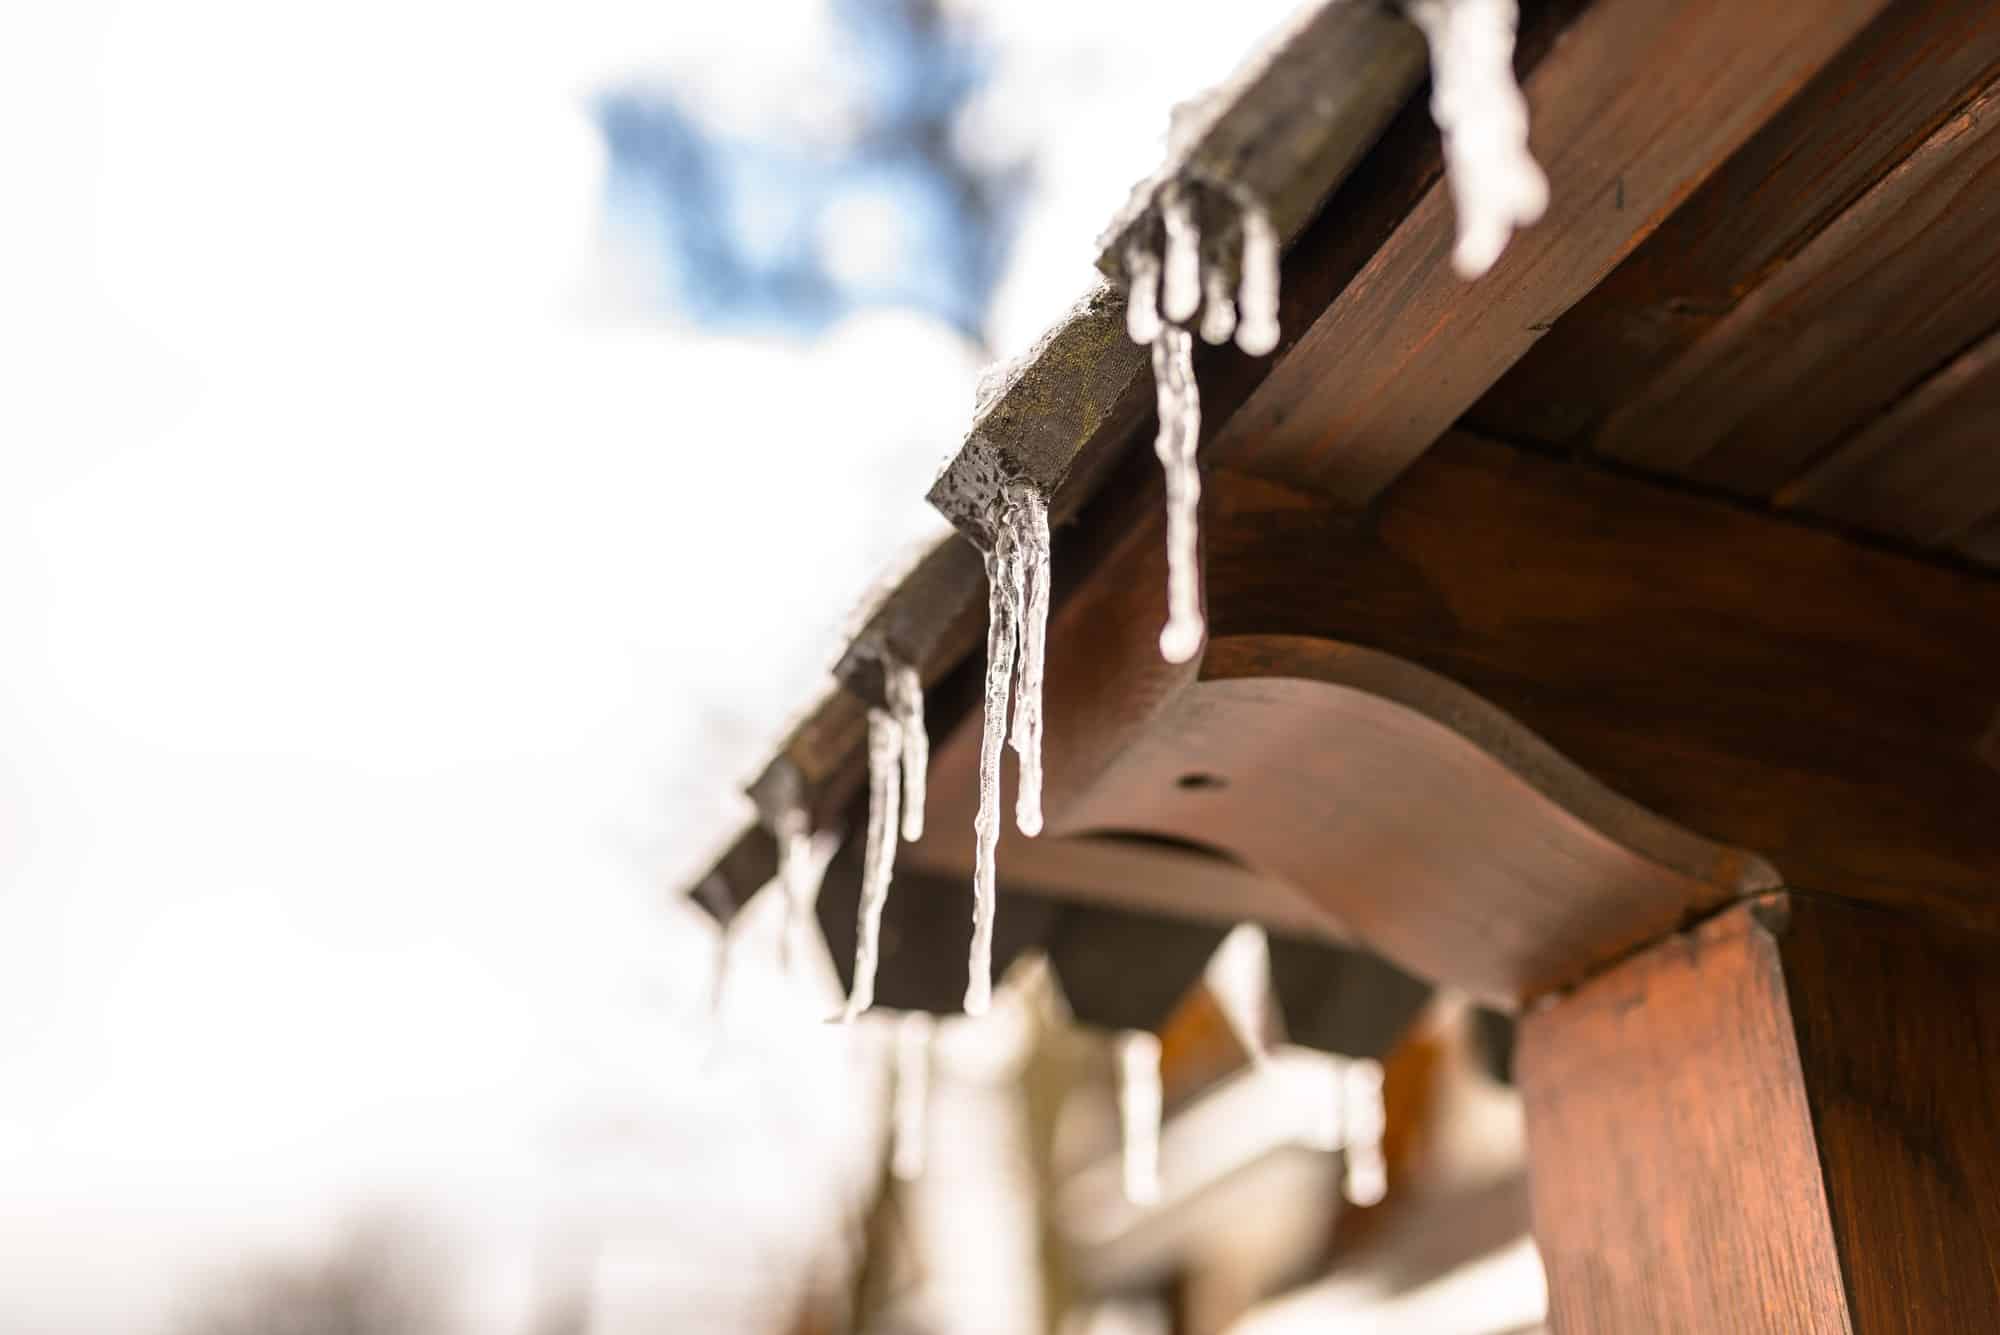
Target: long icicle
[793,829]
[905,691]
[1179,437]
[1257,329]
[878,865]
[1031,518]
[1004,579]
[912,1098]
[1139,1114]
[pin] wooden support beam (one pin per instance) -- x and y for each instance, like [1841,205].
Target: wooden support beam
[1779,1121]
[1895,287]
[1891,87]
[1637,104]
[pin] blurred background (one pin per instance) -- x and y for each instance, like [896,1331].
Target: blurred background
[439,444]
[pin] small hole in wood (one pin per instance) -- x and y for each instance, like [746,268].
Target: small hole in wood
[1199,782]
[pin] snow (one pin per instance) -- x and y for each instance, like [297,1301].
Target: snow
[911,1113]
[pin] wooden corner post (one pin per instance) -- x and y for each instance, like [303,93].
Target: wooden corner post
[1786,1119]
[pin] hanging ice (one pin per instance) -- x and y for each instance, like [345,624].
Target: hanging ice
[1257,289]
[796,875]
[878,861]
[911,1111]
[1139,1114]
[1166,289]
[715,895]
[1363,1120]
[1179,436]
[1180,268]
[1142,294]
[905,690]
[1017,579]
[1495,182]
[1031,519]
[1004,579]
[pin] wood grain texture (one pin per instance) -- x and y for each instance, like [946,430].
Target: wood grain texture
[1928,469]
[1782,1120]
[1673,1177]
[1635,105]
[1768,686]
[1898,1033]
[1896,286]
[1889,88]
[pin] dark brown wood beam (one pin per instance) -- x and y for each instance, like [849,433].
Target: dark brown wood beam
[1890,88]
[1636,104]
[1779,1121]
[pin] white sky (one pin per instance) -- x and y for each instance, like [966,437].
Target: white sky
[388,612]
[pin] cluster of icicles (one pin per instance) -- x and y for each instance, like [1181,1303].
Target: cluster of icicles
[1206,257]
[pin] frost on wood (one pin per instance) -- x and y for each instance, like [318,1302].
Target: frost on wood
[1017,579]
[1204,256]
[1139,1101]
[911,1112]
[1496,185]
[878,862]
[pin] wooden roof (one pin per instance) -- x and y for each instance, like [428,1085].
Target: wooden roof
[1639,576]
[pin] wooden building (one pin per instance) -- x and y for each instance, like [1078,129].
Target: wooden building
[1614,640]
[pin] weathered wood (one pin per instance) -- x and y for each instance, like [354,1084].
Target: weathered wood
[1890,88]
[1287,127]
[930,616]
[1928,469]
[1341,1000]
[1637,103]
[1893,288]
[1781,1121]
[1291,122]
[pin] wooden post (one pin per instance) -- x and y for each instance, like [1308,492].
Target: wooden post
[1786,1119]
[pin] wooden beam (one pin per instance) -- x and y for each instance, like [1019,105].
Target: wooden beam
[1632,109]
[1927,470]
[1888,89]
[1893,288]
[1780,1121]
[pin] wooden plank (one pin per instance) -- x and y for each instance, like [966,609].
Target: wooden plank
[1890,88]
[1893,288]
[1638,103]
[1779,1121]
[1773,687]
[1672,1171]
[1291,122]
[1928,469]
[1898,1031]
[1289,126]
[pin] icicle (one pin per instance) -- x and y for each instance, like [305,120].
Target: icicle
[878,865]
[1218,307]
[912,1108]
[906,701]
[1139,1114]
[1179,436]
[1363,1120]
[796,875]
[1031,518]
[1495,182]
[1257,290]
[1180,278]
[1004,579]
[1142,293]
[715,895]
